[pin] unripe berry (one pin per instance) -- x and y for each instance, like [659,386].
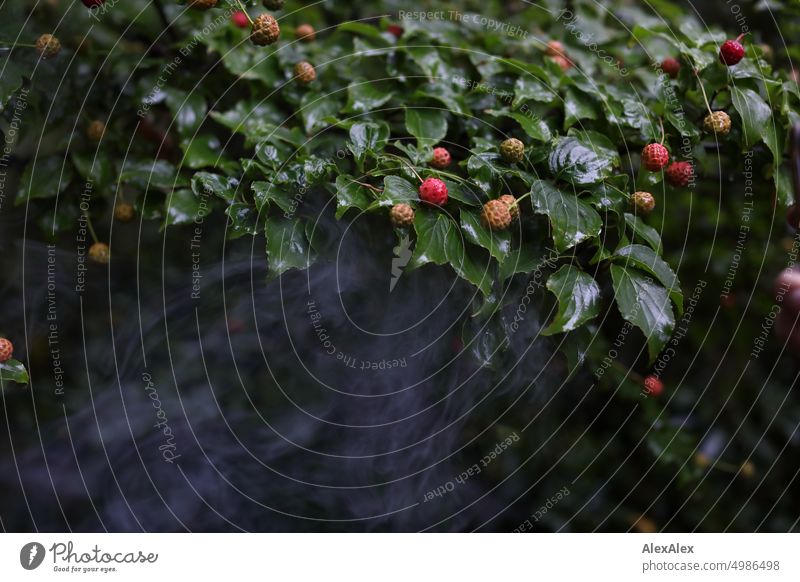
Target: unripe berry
[265,30]
[96,130]
[654,157]
[653,385]
[671,67]
[731,52]
[643,202]
[496,215]
[100,253]
[273,4]
[512,150]
[124,212]
[240,19]
[6,349]
[680,174]
[402,215]
[511,202]
[748,470]
[306,33]
[48,46]
[433,191]
[441,158]
[305,73]
[718,123]
[201,4]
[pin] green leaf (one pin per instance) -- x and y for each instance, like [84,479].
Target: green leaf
[158,174]
[429,126]
[530,123]
[98,169]
[242,220]
[583,158]
[757,121]
[364,96]
[469,263]
[10,80]
[264,193]
[646,259]
[315,108]
[578,297]
[572,220]
[527,258]
[529,87]
[202,151]
[645,304]
[44,177]
[188,110]
[498,243]
[397,190]
[183,207]
[435,231]
[13,371]
[221,186]
[483,171]
[287,246]
[577,106]
[367,137]
[639,228]
[349,194]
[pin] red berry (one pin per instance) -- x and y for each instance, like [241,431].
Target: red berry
[653,385]
[654,157]
[6,349]
[731,52]
[680,174]
[92,3]
[395,29]
[433,191]
[441,158]
[727,300]
[239,19]
[671,67]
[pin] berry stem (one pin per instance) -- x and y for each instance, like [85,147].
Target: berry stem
[243,9]
[13,45]
[523,197]
[635,376]
[661,123]
[370,186]
[703,89]
[91,228]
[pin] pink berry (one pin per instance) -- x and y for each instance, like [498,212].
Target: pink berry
[441,158]
[679,174]
[433,191]
[654,157]
[240,19]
